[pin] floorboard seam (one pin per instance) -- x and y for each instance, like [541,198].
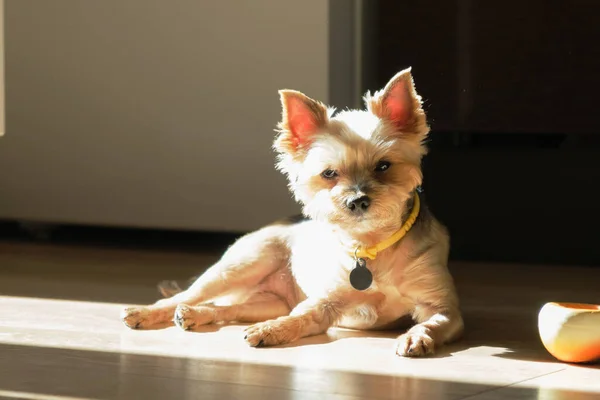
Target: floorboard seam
[510,384]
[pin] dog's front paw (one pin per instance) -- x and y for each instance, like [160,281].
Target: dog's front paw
[414,345]
[272,333]
[187,317]
[135,317]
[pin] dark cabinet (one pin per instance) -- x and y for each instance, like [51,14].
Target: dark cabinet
[511,89]
[512,66]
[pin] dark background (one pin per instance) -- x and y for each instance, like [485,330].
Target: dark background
[511,91]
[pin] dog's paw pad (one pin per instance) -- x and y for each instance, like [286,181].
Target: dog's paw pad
[184,317]
[187,317]
[269,333]
[134,317]
[414,345]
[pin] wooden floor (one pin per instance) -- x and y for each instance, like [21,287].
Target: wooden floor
[61,338]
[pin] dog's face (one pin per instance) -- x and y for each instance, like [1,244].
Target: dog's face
[354,169]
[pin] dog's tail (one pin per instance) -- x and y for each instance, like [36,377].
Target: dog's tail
[169,288]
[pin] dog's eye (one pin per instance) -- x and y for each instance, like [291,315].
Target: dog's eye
[329,174]
[382,166]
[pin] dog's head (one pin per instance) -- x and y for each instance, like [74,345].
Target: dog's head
[354,169]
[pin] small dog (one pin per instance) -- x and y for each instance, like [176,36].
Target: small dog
[366,253]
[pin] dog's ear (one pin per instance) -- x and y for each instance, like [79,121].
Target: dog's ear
[301,119]
[399,103]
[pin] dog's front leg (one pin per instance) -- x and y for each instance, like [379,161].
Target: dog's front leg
[243,266]
[434,327]
[310,317]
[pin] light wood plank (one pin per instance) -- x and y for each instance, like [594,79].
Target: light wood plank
[60,336]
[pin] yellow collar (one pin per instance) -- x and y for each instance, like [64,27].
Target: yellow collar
[371,252]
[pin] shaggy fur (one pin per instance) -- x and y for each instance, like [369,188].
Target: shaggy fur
[291,278]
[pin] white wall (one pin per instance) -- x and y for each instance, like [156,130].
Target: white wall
[153,113]
[2,109]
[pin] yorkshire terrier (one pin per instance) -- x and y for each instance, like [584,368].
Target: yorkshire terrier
[366,253]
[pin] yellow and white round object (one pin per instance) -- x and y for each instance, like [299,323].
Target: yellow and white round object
[571,331]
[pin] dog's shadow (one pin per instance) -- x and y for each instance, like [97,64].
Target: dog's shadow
[351,339]
[342,337]
[520,344]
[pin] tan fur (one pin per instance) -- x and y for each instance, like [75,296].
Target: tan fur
[292,279]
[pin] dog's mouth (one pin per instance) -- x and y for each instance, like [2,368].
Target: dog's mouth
[350,220]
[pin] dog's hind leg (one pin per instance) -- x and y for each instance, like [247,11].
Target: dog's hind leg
[259,307]
[243,266]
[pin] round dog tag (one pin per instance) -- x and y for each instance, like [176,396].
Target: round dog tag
[360,277]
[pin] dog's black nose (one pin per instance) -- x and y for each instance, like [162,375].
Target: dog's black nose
[359,204]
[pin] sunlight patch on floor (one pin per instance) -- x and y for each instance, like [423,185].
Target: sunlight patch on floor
[93,326]
[8,394]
